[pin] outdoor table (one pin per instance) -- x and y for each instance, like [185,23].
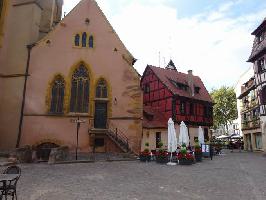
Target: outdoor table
[4,178]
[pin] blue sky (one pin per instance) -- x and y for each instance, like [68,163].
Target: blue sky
[211,37]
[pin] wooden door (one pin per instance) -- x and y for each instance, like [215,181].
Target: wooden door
[100,117]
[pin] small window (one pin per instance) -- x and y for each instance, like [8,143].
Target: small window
[263,96]
[158,139]
[261,65]
[77,38]
[147,88]
[91,41]
[84,39]
[261,37]
[182,107]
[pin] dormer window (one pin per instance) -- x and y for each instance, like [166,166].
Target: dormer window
[197,89]
[179,86]
[261,65]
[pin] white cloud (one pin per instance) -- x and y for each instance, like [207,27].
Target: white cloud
[214,45]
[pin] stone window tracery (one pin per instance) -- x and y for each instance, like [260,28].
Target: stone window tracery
[57,95]
[80,90]
[101,89]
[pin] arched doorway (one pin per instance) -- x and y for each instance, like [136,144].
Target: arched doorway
[43,150]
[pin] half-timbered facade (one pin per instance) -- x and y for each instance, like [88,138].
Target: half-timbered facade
[258,58]
[250,118]
[183,97]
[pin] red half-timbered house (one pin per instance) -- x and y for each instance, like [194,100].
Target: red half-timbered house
[183,97]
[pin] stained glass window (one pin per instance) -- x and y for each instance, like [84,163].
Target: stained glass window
[77,38]
[57,95]
[80,90]
[91,41]
[84,39]
[101,89]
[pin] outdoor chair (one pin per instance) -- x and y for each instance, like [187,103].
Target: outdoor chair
[11,186]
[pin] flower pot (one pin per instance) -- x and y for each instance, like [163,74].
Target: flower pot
[198,157]
[162,159]
[145,158]
[184,161]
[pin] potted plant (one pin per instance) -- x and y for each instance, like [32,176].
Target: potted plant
[146,154]
[161,155]
[184,158]
[198,152]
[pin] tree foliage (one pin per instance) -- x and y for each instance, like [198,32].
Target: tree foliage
[225,106]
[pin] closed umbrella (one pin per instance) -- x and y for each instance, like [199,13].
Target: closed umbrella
[183,135]
[172,141]
[201,135]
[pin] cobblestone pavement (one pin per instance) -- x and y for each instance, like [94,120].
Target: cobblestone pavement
[240,176]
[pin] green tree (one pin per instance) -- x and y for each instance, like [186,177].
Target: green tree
[225,107]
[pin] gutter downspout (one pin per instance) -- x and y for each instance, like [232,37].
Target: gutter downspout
[29,47]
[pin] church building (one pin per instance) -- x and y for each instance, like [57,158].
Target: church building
[53,72]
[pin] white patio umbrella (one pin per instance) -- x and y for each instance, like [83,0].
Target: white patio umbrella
[200,136]
[222,137]
[183,135]
[172,141]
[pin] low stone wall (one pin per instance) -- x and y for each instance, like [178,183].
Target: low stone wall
[23,155]
[59,154]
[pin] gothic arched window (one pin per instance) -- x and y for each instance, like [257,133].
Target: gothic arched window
[77,38]
[101,89]
[57,95]
[84,39]
[91,41]
[80,90]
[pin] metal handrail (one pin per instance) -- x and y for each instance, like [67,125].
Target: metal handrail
[118,134]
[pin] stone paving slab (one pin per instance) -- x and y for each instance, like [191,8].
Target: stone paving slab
[233,176]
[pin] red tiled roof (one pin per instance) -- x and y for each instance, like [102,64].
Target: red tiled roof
[157,119]
[165,74]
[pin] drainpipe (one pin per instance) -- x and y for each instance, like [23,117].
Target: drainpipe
[29,47]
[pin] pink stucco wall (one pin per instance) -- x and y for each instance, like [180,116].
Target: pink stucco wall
[60,57]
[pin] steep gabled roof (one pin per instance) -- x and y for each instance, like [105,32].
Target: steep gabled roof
[153,118]
[167,76]
[260,27]
[259,48]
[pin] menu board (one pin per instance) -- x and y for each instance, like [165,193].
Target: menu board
[205,150]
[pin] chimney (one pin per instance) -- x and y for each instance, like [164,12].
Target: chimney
[190,82]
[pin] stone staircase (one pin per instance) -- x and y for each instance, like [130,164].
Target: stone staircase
[117,136]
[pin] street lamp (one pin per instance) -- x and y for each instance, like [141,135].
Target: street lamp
[78,122]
